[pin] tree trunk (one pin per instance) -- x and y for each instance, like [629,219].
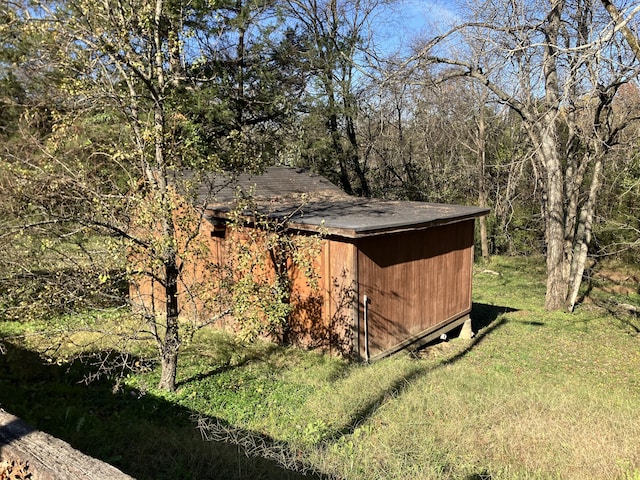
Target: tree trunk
[556,293]
[484,242]
[338,151]
[543,133]
[547,130]
[354,157]
[170,345]
[482,185]
[169,368]
[583,236]
[169,356]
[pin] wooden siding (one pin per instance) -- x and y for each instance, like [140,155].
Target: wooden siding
[323,316]
[415,282]
[342,295]
[201,259]
[326,317]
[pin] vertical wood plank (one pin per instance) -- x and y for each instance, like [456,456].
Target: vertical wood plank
[415,281]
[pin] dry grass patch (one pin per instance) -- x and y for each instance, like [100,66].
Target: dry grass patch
[520,404]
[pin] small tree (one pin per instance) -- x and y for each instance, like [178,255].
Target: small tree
[265,263]
[121,60]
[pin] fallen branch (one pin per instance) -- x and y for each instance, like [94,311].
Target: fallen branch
[628,308]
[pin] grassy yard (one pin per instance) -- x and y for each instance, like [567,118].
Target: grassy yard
[533,395]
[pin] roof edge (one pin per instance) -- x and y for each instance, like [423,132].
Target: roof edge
[298,224]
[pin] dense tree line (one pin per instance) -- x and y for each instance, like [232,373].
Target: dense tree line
[527,107]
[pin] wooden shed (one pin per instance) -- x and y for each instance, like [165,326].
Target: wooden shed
[393,274]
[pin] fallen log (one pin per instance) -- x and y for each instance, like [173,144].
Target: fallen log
[47,457]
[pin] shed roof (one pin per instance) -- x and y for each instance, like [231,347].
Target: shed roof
[275,183]
[309,202]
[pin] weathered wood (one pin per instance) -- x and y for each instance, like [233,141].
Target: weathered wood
[49,458]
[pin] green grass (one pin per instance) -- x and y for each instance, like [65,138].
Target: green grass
[534,395]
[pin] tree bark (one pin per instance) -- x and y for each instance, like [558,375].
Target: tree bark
[583,236]
[354,157]
[169,367]
[556,282]
[170,344]
[556,293]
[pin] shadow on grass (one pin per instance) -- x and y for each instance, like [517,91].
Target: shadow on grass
[482,314]
[230,363]
[143,435]
[632,326]
[485,320]
[484,475]
[628,316]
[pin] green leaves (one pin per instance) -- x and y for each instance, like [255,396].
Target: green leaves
[264,262]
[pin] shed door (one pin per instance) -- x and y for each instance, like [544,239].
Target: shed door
[415,282]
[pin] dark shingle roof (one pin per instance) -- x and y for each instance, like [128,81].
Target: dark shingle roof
[310,202]
[275,183]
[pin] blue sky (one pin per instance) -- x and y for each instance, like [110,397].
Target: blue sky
[408,19]
[430,12]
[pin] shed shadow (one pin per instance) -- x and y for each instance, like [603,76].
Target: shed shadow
[486,319]
[483,314]
[13,431]
[145,436]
